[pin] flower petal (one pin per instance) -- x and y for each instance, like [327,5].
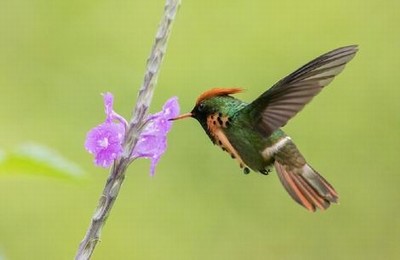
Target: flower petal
[153,139]
[105,143]
[171,108]
[108,105]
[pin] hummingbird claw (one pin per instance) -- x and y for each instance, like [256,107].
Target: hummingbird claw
[265,171]
[246,170]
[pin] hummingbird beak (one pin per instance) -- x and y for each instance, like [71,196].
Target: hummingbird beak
[181,116]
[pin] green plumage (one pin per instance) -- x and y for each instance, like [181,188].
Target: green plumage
[251,132]
[241,133]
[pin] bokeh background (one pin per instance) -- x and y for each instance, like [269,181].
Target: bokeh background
[56,57]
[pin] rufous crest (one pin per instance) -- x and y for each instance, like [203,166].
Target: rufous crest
[217,92]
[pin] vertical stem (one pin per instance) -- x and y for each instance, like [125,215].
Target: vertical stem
[150,78]
[117,172]
[102,211]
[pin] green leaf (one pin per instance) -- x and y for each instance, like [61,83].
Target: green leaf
[36,159]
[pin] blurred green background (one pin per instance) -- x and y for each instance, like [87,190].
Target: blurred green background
[56,57]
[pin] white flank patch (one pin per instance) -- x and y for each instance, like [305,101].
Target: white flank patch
[271,150]
[308,172]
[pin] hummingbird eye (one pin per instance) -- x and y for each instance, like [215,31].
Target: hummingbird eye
[201,107]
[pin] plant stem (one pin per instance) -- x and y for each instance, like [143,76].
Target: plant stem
[150,78]
[117,172]
[106,201]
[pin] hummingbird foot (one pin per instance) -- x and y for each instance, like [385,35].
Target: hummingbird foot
[246,170]
[265,171]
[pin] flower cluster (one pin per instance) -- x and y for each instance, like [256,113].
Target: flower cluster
[152,142]
[105,141]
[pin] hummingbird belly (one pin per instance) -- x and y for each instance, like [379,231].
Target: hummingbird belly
[256,151]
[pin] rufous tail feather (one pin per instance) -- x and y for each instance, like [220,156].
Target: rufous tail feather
[306,186]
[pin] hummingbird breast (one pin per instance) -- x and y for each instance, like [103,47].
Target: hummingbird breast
[216,123]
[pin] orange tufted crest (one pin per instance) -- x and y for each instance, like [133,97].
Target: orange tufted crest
[217,92]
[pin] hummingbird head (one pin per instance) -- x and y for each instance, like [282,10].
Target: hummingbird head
[207,104]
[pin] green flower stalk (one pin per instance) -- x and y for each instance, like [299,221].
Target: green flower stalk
[138,131]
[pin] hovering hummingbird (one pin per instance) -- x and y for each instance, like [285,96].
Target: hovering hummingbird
[251,133]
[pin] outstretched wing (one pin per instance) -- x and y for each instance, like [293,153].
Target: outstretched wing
[286,98]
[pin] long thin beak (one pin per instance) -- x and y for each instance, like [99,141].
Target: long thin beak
[181,116]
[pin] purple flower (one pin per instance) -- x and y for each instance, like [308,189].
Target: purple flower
[153,139]
[105,140]
[105,143]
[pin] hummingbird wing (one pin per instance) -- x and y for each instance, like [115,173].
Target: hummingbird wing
[287,97]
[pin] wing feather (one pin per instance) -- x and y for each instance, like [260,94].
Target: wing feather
[286,98]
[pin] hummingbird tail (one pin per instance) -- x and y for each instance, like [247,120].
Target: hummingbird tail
[306,186]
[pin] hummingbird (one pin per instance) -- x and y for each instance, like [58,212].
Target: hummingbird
[251,132]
